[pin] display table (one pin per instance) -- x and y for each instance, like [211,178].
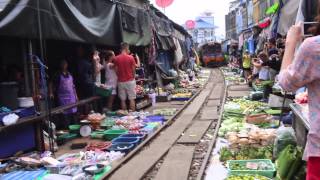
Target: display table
[300,123]
[29,131]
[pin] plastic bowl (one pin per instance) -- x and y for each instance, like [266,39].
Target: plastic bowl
[132,140]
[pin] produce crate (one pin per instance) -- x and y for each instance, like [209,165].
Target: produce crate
[111,134]
[268,173]
[103,92]
[245,176]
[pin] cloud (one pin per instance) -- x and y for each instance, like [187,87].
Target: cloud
[182,10]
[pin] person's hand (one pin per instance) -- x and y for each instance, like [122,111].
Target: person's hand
[294,34]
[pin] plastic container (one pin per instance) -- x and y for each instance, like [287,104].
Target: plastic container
[74,127]
[25,112]
[97,135]
[107,123]
[121,147]
[111,134]
[66,137]
[132,140]
[151,119]
[140,136]
[103,92]
[2,115]
[25,102]
[180,99]
[268,173]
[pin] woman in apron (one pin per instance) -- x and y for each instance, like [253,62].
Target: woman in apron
[66,93]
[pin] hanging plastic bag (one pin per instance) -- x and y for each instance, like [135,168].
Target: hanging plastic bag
[285,136]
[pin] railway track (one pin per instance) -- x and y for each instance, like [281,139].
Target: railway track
[181,149]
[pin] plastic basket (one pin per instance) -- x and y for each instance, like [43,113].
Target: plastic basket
[108,123]
[111,134]
[181,99]
[74,127]
[103,92]
[131,140]
[97,135]
[268,173]
[121,147]
[25,112]
[256,175]
[140,136]
[151,119]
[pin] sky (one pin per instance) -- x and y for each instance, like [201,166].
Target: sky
[182,10]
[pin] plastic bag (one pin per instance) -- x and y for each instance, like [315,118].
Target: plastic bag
[10,119]
[285,136]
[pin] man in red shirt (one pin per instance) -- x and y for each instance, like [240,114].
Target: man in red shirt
[125,66]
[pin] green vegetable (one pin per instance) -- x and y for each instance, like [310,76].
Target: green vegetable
[247,177]
[225,155]
[246,153]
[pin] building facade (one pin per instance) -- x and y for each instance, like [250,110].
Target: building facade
[204,30]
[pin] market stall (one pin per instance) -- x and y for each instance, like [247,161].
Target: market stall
[253,143]
[89,149]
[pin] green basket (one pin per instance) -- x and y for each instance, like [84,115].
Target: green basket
[99,91]
[67,136]
[97,135]
[111,134]
[74,127]
[267,173]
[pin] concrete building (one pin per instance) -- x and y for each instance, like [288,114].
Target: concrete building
[204,30]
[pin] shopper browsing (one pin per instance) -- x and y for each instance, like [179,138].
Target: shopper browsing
[246,64]
[97,67]
[302,70]
[125,66]
[110,75]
